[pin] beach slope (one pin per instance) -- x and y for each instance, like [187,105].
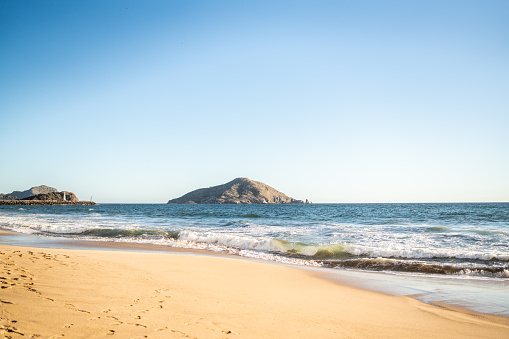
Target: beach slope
[94,294]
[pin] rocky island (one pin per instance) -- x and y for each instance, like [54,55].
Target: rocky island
[237,191]
[42,195]
[43,189]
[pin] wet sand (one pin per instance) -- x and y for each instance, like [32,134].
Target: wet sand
[96,293]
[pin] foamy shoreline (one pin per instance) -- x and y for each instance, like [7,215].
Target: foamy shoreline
[84,293]
[483,295]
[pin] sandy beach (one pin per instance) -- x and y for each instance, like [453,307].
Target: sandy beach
[97,293]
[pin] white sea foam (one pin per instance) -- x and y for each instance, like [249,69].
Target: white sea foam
[424,253]
[235,241]
[273,245]
[483,273]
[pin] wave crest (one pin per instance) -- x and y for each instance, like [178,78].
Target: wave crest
[130,233]
[384,264]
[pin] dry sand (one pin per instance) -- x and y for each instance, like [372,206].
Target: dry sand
[91,293]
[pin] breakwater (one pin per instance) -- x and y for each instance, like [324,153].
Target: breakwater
[45,202]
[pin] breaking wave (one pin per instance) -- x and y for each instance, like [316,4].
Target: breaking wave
[438,229]
[338,251]
[384,264]
[331,255]
[134,233]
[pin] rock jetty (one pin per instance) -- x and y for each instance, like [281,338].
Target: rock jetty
[237,191]
[45,202]
[42,195]
[55,196]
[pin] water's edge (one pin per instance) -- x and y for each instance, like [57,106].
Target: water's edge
[478,295]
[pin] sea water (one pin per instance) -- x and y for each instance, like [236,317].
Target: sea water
[465,242]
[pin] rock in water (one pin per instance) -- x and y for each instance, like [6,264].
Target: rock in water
[237,191]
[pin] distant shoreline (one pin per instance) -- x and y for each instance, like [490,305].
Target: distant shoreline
[45,202]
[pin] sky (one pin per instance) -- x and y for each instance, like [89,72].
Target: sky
[331,101]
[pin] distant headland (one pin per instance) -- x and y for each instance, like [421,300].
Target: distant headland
[237,191]
[42,195]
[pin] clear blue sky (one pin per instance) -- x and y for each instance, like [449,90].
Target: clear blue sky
[334,101]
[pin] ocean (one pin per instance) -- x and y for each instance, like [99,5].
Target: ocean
[459,241]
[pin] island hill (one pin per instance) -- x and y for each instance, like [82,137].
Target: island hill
[42,195]
[237,191]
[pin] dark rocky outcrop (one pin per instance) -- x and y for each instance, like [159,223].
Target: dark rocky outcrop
[43,189]
[237,191]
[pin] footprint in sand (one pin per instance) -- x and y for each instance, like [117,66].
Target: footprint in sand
[11,329]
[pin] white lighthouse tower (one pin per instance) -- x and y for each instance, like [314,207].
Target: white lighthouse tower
[64,195]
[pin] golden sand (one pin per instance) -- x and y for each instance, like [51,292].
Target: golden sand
[92,293]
